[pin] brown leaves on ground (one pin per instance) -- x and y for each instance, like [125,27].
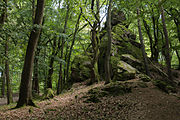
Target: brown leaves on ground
[141,104]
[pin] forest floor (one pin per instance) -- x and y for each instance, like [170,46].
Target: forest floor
[141,104]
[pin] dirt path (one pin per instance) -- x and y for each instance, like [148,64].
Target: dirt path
[142,104]
[46,106]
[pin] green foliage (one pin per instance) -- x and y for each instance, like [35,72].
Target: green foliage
[49,94]
[19,23]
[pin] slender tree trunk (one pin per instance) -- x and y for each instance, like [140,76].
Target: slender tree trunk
[95,43]
[178,28]
[167,52]
[33,10]
[55,51]
[60,80]
[150,37]
[94,61]
[8,83]
[109,42]
[50,72]
[142,45]
[4,14]
[25,94]
[65,59]
[155,52]
[2,20]
[45,71]
[72,44]
[3,84]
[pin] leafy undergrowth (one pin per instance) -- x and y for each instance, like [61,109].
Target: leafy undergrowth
[133,100]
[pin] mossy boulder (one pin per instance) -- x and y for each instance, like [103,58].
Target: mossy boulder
[134,62]
[125,66]
[123,71]
[165,86]
[124,41]
[80,68]
[113,89]
[144,77]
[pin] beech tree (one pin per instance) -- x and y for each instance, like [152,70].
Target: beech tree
[167,51]
[25,93]
[142,44]
[109,42]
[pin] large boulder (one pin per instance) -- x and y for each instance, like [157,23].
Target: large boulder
[126,56]
[80,69]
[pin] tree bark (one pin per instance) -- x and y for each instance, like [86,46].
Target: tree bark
[72,44]
[155,48]
[142,45]
[35,83]
[4,13]
[95,43]
[60,80]
[8,83]
[2,20]
[167,52]
[3,84]
[150,37]
[25,94]
[51,63]
[108,51]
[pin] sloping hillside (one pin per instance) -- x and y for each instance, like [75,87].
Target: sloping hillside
[134,100]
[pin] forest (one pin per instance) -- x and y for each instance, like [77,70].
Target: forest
[90,59]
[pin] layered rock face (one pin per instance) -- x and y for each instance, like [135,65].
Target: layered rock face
[126,57]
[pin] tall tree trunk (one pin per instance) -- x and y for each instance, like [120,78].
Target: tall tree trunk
[142,45]
[95,44]
[94,61]
[4,14]
[45,71]
[8,83]
[25,94]
[33,10]
[65,59]
[178,29]
[167,52]
[150,37]
[72,44]
[55,51]
[3,84]
[60,80]
[109,42]
[35,83]
[155,48]
[2,20]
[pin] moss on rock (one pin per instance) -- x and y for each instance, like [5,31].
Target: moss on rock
[165,86]
[112,89]
[80,68]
